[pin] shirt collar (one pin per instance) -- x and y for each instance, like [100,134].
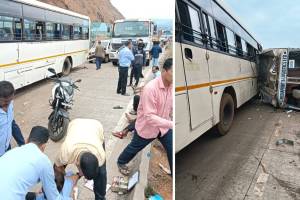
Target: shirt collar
[9,106]
[161,83]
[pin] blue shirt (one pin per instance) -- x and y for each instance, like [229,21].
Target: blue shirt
[157,74]
[125,57]
[22,168]
[155,51]
[6,119]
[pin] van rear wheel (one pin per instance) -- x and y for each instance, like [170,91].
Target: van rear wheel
[226,114]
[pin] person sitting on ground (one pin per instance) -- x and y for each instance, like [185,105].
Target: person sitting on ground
[65,184]
[23,167]
[84,146]
[155,71]
[131,125]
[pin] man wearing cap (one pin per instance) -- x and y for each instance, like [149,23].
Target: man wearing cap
[84,147]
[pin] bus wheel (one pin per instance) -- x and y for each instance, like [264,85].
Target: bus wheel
[67,67]
[226,114]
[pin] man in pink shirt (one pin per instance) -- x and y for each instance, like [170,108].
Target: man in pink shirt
[154,118]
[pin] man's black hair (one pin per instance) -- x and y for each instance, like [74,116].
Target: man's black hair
[129,41]
[89,165]
[168,64]
[39,135]
[6,89]
[59,179]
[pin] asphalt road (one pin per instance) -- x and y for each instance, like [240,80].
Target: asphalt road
[246,163]
[96,99]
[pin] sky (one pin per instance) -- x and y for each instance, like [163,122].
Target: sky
[149,9]
[274,23]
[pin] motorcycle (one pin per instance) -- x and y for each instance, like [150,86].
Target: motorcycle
[60,101]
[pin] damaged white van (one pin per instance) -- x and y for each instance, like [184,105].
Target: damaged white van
[279,77]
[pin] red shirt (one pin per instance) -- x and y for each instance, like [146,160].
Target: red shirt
[154,111]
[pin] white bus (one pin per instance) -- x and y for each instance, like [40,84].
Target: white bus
[131,29]
[216,68]
[35,36]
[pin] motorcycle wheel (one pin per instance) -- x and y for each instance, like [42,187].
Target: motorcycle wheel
[58,129]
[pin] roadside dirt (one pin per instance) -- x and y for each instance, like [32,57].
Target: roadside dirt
[157,178]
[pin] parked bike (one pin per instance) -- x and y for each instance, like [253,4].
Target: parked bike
[61,101]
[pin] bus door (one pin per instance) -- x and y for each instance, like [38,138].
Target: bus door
[195,66]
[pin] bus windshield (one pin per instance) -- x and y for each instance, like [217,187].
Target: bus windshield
[131,29]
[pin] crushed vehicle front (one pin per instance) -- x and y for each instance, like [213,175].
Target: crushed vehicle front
[279,77]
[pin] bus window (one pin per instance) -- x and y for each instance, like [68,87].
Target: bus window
[251,50]
[57,31]
[206,29]
[221,36]
[177,28]
[66,32]
[50,31]
[185,21]
[205,23]
[39,31]
[238,41]
[195,22]
[85,33]
[244,47]
[76,32]
[6,28]
[230,41]
[29,29]
[212,31]
[18,29]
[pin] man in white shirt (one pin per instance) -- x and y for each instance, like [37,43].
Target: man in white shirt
[23,167]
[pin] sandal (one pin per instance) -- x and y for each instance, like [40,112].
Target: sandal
[123,169]
[120,134]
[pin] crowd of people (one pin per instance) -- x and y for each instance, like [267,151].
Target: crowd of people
[25,166]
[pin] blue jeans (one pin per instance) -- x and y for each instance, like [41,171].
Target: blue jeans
[98,62]
[17,134]
[154,61]
[138,143]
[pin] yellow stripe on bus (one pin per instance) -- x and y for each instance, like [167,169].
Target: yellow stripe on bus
[196,86]
[37,59]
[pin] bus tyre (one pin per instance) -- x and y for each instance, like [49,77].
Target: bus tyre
[226,114]
[67,67]
[115,63]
